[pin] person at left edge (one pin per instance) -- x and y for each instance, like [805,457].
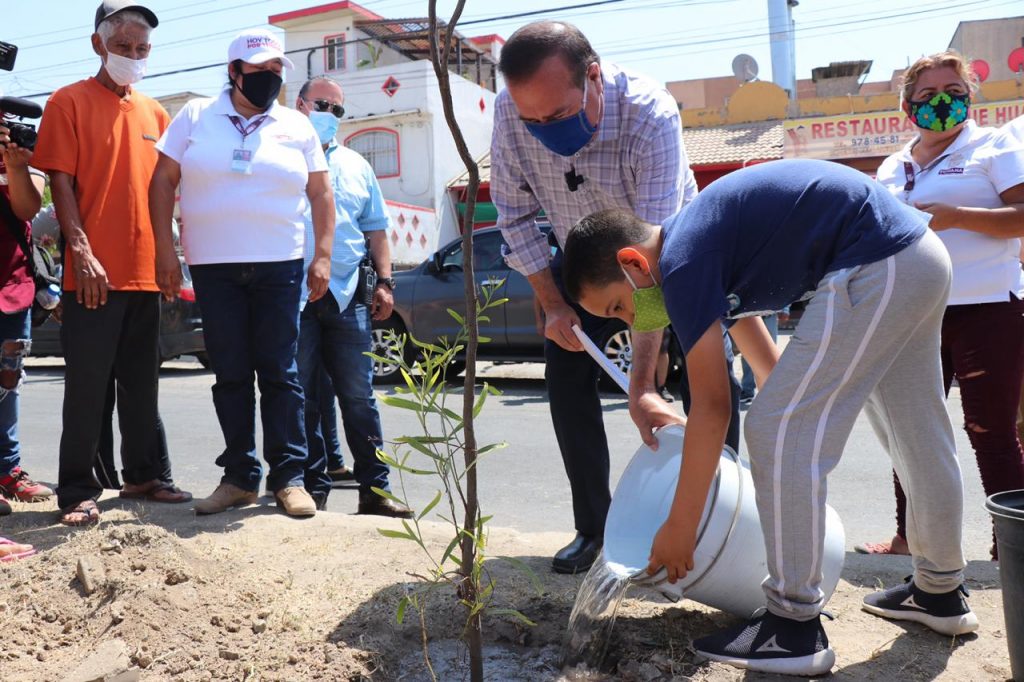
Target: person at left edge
[96,142]
[21,190]
[334,331]
[247,167]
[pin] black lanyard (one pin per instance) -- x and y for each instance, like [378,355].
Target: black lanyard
[249,129]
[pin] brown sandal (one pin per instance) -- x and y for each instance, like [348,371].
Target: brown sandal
[157,491]
[86,511]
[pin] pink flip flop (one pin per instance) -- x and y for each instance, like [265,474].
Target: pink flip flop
[20,555]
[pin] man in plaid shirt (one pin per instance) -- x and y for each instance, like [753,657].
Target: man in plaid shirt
[573,136]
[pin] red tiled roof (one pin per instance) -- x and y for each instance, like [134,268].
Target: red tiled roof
[734,143]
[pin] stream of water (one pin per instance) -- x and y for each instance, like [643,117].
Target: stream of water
[593,614]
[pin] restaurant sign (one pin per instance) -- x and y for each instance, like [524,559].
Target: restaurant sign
[873,134]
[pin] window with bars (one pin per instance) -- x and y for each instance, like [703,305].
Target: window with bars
[334,53]
[380,148]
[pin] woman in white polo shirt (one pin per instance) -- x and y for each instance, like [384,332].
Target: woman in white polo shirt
[247,167]
[971,181]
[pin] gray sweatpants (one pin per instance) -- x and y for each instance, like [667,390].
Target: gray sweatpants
[868,338]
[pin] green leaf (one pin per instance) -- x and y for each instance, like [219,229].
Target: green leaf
[483,339]
[534,579]
[451,548]
[421,439]
[419,447]
[396,534]
[408,380]
[401,402]
[512,613]
[385,493]
[480,401]
[402,605]
[429,507]
[488,448]
[458,318]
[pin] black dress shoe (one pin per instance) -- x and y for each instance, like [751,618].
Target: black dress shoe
[341,477]
[579,555]
[372,503]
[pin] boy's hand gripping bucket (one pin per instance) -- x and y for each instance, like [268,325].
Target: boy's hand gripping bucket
[729,559]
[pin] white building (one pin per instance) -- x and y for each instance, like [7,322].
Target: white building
[394,115]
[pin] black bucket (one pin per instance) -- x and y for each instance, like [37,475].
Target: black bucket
[1007,510]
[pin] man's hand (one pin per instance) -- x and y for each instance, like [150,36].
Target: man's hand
[943,216]
[91,283]
[558,322]
[673,549]
[649,412]
[317,277]
[383,303]
[168,273]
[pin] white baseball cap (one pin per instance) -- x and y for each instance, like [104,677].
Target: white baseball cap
[256,46]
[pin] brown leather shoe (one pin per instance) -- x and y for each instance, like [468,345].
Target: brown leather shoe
[226,495]
[372,503]
[295,501]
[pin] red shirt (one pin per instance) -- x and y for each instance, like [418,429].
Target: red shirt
[17,290]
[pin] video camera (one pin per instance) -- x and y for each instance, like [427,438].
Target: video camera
[22,134]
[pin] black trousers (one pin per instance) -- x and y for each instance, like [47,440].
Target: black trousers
[732,436]
[106,466]
[119,338]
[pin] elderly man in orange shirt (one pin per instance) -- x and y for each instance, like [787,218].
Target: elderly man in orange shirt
[96,140]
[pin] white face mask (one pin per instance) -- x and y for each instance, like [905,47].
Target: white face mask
[124,71]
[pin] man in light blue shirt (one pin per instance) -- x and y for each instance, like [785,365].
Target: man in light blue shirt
[335,331]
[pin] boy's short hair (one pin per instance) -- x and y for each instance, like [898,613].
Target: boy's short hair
[590,257]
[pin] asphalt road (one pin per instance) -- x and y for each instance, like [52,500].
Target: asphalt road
[523,485]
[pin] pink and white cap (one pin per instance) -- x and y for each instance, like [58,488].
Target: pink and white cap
[256,46]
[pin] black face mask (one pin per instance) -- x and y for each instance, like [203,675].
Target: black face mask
[260,87]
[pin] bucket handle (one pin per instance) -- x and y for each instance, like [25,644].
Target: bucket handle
[732,524]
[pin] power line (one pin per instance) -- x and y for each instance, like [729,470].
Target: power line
[357,40]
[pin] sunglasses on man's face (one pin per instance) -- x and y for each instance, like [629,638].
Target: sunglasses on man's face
[324,105]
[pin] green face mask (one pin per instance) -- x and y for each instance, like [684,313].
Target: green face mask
[649,312]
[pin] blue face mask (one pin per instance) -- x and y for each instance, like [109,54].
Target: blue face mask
[326,125]
[568,135]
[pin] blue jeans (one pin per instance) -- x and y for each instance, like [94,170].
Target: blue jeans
[329,421]
[748,387]
[13,327]
[250,324]
[339,340]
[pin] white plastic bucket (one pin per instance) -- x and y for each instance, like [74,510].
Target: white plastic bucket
[729,559]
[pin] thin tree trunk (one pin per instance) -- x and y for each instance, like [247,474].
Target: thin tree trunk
[439,56]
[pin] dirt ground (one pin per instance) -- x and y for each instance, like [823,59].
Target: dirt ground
[253,595]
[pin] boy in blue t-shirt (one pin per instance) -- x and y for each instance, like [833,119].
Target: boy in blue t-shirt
[876,281]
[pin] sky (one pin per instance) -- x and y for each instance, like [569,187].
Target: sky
[667,39]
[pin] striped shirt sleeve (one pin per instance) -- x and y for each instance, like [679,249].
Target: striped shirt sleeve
[517,205]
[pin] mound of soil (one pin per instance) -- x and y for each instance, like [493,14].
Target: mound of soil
[156,593]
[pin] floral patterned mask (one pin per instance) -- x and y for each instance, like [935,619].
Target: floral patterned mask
[941,112]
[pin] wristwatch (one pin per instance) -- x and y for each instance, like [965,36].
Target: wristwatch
[389,282]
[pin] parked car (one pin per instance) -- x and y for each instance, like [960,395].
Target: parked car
[181,326]
[424,294]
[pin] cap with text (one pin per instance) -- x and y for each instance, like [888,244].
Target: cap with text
[111,7]
[257,46]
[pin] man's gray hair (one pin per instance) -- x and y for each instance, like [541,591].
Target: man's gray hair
[109,26]
[304,90]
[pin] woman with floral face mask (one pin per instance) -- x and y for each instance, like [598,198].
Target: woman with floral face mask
[971,181]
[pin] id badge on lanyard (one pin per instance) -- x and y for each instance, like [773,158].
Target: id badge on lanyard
[241,158]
